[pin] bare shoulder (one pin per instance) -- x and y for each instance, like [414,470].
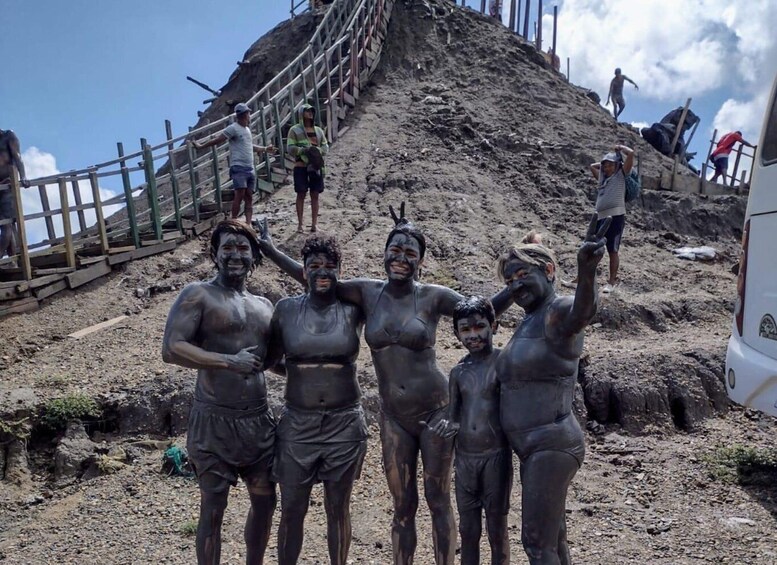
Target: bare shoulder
[439,291]
[195,291]
[260,301]
[562,305]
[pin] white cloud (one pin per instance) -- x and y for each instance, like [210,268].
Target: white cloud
[640,125]
[40,164]
[674,50]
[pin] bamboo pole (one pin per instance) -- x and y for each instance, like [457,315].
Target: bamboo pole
[216,176]
[151,189]
[70,254]
[526,20]
[193,182]
[44,203]
[23,252]
[125,181]
[98,212]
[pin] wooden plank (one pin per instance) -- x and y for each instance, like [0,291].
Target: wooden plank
[348,99]
[265,186]
[74,280]
[171,236]
[130,202]
[97,327]
[77,197]
[343,131]
[11,293]
[91,260]
[70,254]
[98,210]
[19,306]
[142,252]
[44,202]
[23,251]
[48,279]
[50,290]
[57,271]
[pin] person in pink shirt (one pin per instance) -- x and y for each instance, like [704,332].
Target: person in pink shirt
[719,157]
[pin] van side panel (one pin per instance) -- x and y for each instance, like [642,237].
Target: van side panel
[760,320]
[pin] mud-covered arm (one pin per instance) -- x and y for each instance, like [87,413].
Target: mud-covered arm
[275,352]
[447,298]
[183,321]
[572,318]
[450,425]
[501,301]
[16,157]
[286,263]
[631,81]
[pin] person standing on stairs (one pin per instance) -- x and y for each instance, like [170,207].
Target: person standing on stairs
[308,145]
[9,155]
[241,159]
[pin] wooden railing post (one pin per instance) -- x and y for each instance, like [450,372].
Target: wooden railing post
[173,178]
[315,84]
[263,131]
[23,252]
[526,20]
[193,182]
[151,188]
[511,20]
[98,212]
[216,176]
[680,125]
[736,166]
[278,129]
[518,18]
[79,202]
[482,6]
[70,254]
[539,25]
[44,203]
[712,144]
[125,180]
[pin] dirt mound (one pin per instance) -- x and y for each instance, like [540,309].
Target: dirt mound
[465,123]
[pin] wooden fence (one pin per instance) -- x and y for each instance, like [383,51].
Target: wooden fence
[164,209]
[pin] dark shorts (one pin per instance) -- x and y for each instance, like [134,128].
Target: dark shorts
[225,444]
[614,232]
[563,435]
[7,207]
[721,164]
[242,177]
[305,180]
[320,445]
[484,480]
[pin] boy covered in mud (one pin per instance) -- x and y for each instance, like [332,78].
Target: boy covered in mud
[484,468]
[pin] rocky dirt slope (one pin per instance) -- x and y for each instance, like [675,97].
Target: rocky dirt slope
[465,124]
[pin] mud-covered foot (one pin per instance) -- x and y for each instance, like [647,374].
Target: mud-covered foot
[299,229]
[313,229]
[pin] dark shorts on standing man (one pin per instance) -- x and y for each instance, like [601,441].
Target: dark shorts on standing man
[721,164]
[614,232]
[224,444]
[242,177]
[320,445]
[484,480]
[305,180]
[7,207]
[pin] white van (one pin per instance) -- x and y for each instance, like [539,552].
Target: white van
[751,359]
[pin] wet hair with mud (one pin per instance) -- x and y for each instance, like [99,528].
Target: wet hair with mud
[527,252]
[239,228]
[322,244]
[471,306]
[407,228]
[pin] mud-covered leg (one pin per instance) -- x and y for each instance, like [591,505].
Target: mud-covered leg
[496,526]
[563,547]
[470,529]
[294,506]
[400,460]
[437,457]
[337,503]
[259,521]
[546,476]
[212,506]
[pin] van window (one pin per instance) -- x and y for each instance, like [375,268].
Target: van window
[769,149]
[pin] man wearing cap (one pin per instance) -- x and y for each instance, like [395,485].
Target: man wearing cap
[307,144]
[719,157]
[611,173]
[9,155]
[241,159]
[616,93]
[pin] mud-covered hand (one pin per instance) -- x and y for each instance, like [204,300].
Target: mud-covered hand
[592,249]
[443,428]
[245,361]
[264,239]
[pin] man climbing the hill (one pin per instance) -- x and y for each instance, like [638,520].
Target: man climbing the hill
[719,157]
[616,93]
[223,331]
[241,159]
[9,155]
[611,173]
[307,144]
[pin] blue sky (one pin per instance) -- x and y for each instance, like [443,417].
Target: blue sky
[80,75]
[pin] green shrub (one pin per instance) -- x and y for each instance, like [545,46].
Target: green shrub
[189,528]
[59,411]
[745,465]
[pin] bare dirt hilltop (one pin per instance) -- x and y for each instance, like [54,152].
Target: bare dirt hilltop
[465,123]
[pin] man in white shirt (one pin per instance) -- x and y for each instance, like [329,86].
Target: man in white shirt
[241,159]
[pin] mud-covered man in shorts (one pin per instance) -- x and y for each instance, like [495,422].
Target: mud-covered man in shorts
[322,435]
[484,462]
[9,155]
[222,330]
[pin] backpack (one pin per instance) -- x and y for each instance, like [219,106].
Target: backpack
[633,184]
